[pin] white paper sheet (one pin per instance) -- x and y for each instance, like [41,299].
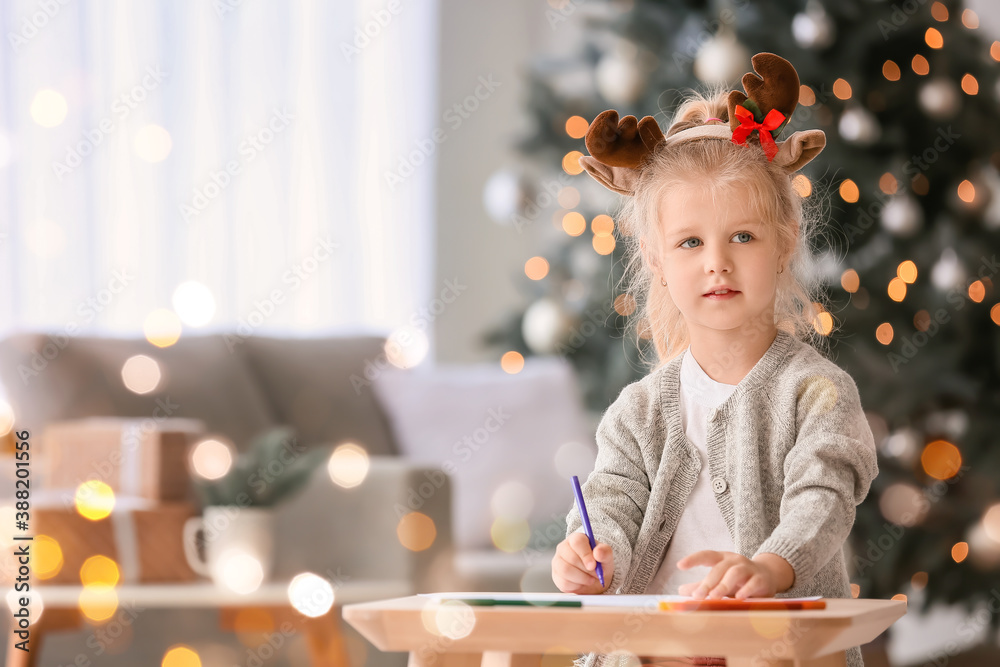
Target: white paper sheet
[589,600]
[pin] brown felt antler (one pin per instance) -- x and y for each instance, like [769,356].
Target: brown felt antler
[774,84]
[618,150]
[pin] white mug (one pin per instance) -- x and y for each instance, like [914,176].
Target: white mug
[239,545]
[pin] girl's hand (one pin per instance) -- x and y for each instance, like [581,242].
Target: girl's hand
[574,567]
[733,574]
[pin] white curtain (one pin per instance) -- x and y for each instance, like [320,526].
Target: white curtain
[246,145]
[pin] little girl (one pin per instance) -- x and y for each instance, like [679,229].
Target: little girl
[744,450]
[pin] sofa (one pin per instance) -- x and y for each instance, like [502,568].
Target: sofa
[340,389]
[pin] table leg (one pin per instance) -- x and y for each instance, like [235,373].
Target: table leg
[323,634]
[837,659]
[431,658]
[504,659]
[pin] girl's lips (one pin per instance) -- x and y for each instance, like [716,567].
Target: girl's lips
[721,297]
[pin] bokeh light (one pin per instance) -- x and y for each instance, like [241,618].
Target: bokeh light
[625,304]
[802,185]
[604,245]
[573,223]
[99,570]
[970,86]
[850,281]
[977,291]
[348,465]
[416,531]
[212,458]
[897,289]
[310,594]
[239,571]
[152,143]
[406,347]
[48,557]
[920,65]
[162,327]
[536,268]
[569,197]
[907,271]
[6,417]
[849,191]
[902,504]
[513,500]
[960,551]
[194,303]
[967,191]
[510,536]
[934,38]
[941,459]
[141,374]
[180,656]
[512,362]
[48,108]
[454,619]
[883,333]
[577,126]
[888,184]
[890,70]
[842,89]
[602,225]
[98,603]
[94,499]
[571,163]
[991,522]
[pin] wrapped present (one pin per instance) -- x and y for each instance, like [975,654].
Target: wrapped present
[144,538]
[142,458]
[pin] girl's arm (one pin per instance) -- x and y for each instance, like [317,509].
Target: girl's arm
[617,492]
[828,472]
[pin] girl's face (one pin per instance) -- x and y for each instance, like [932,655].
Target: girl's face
[712,245]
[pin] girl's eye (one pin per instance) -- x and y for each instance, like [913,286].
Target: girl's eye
[746,234]
[688,246]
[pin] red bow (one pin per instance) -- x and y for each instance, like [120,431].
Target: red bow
[748,124]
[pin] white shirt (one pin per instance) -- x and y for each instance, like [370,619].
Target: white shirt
[701,525]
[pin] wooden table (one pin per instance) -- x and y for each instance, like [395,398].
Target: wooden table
[60,611]
[456,635]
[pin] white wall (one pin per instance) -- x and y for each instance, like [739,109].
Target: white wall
[481,40]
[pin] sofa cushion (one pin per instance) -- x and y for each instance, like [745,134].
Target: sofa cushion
[322,387]
[201,379]
[510,442]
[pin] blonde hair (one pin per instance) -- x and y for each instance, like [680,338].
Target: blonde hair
[769,191]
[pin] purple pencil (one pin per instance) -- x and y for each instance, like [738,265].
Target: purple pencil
[582,508]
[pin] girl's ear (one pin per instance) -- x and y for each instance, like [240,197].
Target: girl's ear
[651,259]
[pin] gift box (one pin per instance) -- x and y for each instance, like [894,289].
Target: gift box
[142,458]
[144,538]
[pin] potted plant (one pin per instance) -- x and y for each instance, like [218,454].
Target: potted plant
[237,519]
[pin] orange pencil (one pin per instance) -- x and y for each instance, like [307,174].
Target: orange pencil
[734,604]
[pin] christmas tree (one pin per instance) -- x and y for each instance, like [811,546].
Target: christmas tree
[907,96]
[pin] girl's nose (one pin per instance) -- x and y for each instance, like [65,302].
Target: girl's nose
[717,261]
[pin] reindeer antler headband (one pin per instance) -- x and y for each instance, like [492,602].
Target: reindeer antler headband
[618,150]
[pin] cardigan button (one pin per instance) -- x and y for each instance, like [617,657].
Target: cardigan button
[719,485]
